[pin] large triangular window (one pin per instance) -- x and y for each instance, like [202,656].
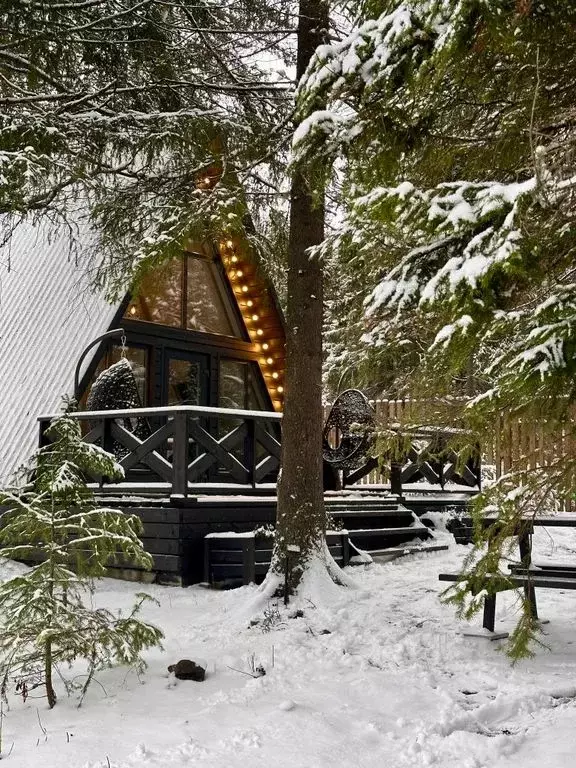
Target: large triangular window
[188,292]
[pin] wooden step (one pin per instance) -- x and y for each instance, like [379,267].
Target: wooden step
[400,530]
[377,539]
[352,513]
[391,553]
[362,505]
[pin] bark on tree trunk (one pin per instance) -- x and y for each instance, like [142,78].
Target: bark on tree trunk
[50,692]
[301,520]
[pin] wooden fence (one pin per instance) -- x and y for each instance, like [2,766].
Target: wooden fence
[520,445]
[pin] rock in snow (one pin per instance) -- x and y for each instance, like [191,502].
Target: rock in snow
[188,670]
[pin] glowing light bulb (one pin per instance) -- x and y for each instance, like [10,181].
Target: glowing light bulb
[259,332]
[249,303]
[132,310]
[275,375]
[269,360]
[244,289]
[279,390]
[239,273]
[265,346]
[234,259]
[255,318]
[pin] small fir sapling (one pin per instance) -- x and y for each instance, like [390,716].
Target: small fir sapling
[46,614]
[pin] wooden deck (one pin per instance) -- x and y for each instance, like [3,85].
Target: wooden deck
[198,471]
[175,533]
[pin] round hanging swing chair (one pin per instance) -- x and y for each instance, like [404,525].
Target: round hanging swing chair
[116,388]
[352,421]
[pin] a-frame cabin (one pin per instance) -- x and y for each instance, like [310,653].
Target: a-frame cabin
[205,341]
[203,331]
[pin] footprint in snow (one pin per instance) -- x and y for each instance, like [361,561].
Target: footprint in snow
[247,738]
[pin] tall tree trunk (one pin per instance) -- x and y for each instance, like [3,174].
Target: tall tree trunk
[301,521]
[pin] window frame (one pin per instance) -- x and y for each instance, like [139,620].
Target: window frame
[222,288]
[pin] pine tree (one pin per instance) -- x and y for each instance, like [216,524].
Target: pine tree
[165,124]
[46,619]
[156,122]
[301,520]
[456,126]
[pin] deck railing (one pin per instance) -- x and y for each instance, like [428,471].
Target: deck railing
[426,459]
[186,446]
[513,445]
[188,449]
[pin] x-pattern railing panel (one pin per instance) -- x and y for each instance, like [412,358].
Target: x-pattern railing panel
[166,453]
[140,453]
[420,464]
[267,441]
[272,446]
[417,467]
[217,452]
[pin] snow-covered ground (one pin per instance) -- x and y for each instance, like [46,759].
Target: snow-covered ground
[373,676]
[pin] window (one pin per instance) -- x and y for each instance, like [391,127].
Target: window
[205,310]
[237,385]
[160,297]
[187,292]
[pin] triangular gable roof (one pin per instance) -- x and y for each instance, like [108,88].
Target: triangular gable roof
[48,315]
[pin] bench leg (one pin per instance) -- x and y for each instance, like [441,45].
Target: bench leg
[488,620]
[525,547]
[530,595]
[489,612]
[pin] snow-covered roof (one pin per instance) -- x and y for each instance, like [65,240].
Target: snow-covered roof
[48,315]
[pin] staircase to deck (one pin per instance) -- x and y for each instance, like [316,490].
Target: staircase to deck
[376,524]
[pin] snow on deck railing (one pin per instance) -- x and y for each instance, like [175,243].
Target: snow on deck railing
[169,410]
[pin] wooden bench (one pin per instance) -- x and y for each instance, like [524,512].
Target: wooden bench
[232,559]
[526,574]
[528,582]
[462,528]
[544,569]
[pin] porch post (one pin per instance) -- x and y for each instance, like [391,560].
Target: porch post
[250,454]
[180,456]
